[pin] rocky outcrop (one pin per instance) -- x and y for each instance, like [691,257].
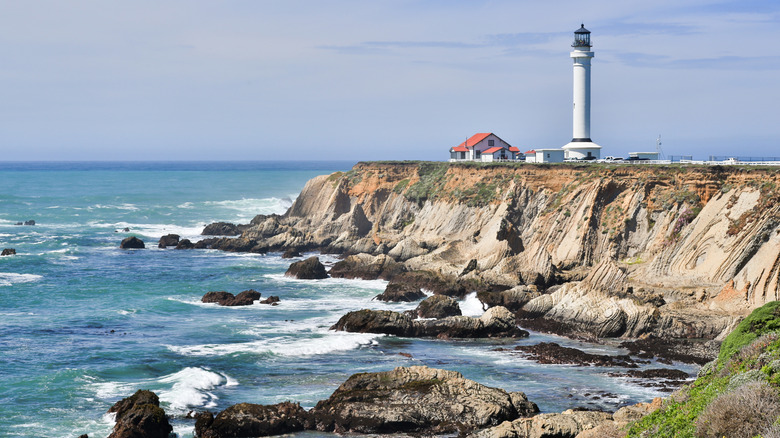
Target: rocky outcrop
[437,306]
[291,254]
[401,292]
[567,424]
[132,243]
[495,322]
[245,298]
[417,400]
[168,240]
[140,416]
[309,269]
[8,252]
[671,251]
[552,353]
[367,267]
[251,420]
[222,229]
[185,244]
[513,299]
[28,222]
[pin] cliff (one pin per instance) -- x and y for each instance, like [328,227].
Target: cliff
[619,249]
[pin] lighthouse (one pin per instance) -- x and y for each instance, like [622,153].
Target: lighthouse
[581,146]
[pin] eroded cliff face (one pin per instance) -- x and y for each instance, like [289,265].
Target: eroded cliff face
[639,248]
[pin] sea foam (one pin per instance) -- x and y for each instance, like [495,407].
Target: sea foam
[284,345]
[9,278]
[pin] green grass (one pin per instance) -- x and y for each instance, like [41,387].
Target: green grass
[763,320]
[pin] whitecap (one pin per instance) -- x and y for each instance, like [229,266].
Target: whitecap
[471,306]
[9,278]
[284,345]
[191,388]
[256,206]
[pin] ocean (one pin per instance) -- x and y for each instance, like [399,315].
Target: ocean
[84,324]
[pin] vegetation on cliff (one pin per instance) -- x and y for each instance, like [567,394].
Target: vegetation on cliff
[737,395]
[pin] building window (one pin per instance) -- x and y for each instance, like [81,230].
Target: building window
[462,155]
[491,142]
[479,153]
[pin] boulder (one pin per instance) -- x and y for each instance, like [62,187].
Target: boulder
[30,222]
[291,254]
[168,240]
[513,299]
[567,424]
[376,321]
[8,251]
[251,420]
[437,306]
[223,298]
[309,269]
[417,400]
[221,229]
[272,300]
[140,416]
[401,292]
[185,244]
[132,243]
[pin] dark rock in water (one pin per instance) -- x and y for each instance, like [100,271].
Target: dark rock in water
[84,436]
[185,244]
[552,353]
[470,267]
[223,298]
[291,254]
[417,400]
[251,420]
[401,292]
[682,350]
[655,373]
[8,251]
[140,416]
[438,306]
[126,229]
[132,243]
[367,267]
[272,300]
[376,321]
[231,245]
[309,269]
[19,223]
[30,222]
[221,229]
[496,322]
[168,240]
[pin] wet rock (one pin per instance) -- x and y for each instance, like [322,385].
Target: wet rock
[655,373]
[168,240]
[496,322]
[376,321]
[30,222]
[221,229]
[8,252]
[272,300]
[552,353]
[400,292]
[251,420]
[223,298]
[140,416]
[309,269]
[185,244]
[418,400]
[132,243]
[367,267]
[291,254]
[437,306]
[681,350]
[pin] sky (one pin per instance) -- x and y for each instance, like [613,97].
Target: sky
[380,79]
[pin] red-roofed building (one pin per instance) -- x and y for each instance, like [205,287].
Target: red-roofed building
[485,147]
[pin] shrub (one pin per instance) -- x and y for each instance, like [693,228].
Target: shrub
[763,320]
[744,412]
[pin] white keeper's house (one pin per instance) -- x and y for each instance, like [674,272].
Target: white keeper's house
[484,147]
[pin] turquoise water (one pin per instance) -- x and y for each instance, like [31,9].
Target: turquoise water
[84,324]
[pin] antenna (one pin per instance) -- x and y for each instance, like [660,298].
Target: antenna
[658,147]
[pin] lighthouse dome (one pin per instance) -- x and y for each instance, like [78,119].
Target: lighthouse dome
[581,37]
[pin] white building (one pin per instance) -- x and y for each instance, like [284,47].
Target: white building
[552,155]
[643,156]
[581,146]
[485,147]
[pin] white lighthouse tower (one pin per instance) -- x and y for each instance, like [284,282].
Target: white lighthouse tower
[581,146]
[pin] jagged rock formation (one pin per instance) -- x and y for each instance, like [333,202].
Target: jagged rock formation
[418,400]
[437,306]
[168,240]
[140,416]
[132,243]
[668,250]
[309,269]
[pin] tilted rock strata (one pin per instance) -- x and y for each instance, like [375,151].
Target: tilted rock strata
[687,241]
